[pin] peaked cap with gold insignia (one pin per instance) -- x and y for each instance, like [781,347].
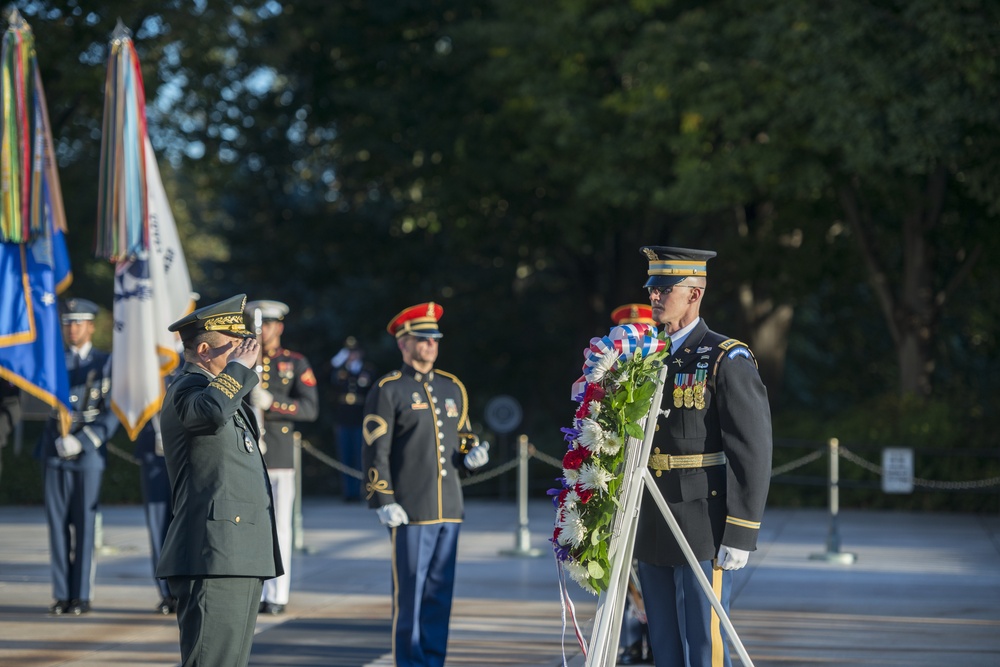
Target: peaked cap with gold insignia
[226,317]
[633,313]
[419,320]
[669,266]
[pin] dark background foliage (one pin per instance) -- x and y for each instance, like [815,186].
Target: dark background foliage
[508,159]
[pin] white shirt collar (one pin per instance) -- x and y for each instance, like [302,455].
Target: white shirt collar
[679,337]
[83,351]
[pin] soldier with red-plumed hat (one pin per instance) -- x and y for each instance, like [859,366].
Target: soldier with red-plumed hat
[416,419]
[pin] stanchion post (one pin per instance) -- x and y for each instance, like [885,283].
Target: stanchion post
[833,554]
[522,538]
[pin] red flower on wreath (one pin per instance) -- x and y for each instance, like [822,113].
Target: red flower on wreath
[593,392]
[584,494]
[574,458]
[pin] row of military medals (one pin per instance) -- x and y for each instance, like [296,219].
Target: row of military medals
[689,389]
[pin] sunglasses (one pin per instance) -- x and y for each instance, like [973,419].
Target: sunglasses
[664,291]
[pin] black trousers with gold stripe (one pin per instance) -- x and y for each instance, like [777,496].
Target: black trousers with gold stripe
[684,630]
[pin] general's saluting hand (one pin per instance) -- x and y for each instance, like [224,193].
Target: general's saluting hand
[245,352]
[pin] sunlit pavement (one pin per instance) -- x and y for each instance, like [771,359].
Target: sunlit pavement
[924,591]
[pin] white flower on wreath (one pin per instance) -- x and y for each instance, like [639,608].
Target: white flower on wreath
[594,478]
[591,436]
[579,574]
[571,477]
[571,529]
[611,444]
[603,365]
[594,409]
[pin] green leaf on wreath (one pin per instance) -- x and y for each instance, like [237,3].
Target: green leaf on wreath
[595,570]
[634,430]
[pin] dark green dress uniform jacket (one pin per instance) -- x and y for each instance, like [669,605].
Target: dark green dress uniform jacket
[723,408]
[223,520]
[411,453]
[290,379]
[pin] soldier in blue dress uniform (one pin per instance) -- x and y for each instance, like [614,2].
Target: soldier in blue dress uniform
[414,460]
[74,464]
[711,459]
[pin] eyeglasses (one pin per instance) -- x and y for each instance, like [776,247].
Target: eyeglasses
[664,291]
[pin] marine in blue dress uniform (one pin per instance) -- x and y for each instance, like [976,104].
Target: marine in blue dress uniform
[414,460]
[74,464]
[711,459]
[286,394]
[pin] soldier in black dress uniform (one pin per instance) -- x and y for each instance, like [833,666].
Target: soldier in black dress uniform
[286,394]
[351,377]
[73,464]
[711,460]
[413,461]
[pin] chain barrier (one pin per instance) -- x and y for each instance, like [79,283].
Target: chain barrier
[918,481]
[797,463]
[844,453]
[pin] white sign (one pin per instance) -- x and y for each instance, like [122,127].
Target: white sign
[503,414]
[897,470]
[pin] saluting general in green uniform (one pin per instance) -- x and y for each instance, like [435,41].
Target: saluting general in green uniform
[221,544]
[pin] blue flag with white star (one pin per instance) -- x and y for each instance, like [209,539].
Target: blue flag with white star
[34,267]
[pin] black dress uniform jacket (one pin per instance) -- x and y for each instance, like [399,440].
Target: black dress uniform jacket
[722,408]
[411,454]
[223,520]
[289,378]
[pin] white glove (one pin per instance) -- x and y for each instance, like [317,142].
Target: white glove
[730,558]
[68,446]
[478,456]
[392,515]
[261,398]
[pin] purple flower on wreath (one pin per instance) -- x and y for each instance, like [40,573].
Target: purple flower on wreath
[571,434]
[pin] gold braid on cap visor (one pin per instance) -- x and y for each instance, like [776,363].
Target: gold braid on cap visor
[232,322]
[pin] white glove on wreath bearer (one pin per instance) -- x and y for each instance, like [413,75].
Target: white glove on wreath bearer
[730,558]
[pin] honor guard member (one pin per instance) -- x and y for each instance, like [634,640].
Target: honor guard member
[634,628]
[350,380]
[221,543]
[414,460]
[74,464]
[286,394]
[711,459]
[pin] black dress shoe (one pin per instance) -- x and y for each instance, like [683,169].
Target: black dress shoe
[77,607]
[272,608]
[59,607]
[631,655]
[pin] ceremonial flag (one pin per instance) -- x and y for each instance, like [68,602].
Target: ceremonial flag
[136,230]
[34,264]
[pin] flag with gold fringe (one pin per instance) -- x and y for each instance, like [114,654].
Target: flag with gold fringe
[34,263]
[137,231]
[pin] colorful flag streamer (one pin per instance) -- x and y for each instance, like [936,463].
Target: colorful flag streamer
[34,263]
[137,231]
